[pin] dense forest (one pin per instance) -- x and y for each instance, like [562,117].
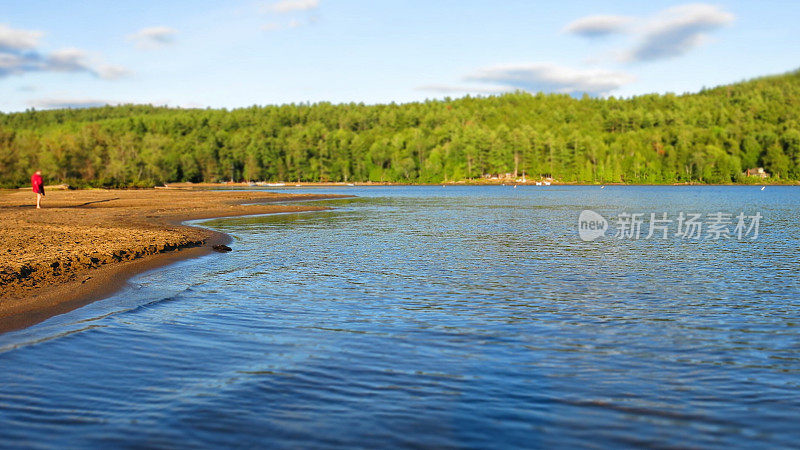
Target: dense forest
[707,137]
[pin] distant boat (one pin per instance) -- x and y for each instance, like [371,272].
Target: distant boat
[350,184]
[276,184]
[538,183]
[602,187]
[547,183]
[763,187]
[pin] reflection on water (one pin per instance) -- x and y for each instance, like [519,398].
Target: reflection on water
[456,317]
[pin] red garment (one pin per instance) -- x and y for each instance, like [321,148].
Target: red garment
[37,183]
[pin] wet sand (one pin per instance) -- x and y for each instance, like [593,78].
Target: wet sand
[84,245]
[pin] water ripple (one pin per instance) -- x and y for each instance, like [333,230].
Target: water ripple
[456,317]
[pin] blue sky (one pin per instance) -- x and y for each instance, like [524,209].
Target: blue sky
[239,53]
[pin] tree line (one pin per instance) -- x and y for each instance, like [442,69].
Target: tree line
[707,137]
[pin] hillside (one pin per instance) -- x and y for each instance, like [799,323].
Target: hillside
[707,137]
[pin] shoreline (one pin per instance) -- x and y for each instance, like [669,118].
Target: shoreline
[118,235]
[240,186]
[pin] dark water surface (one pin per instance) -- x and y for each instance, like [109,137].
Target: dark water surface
[435,317]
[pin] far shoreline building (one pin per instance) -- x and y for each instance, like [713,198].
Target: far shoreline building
[756,172]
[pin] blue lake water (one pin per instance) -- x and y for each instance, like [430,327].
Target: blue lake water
[467,317]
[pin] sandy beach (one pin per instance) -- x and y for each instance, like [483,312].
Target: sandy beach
[83,245]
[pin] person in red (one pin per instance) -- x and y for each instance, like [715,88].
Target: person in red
[38,187]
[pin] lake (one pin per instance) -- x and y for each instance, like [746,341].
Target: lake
[431,316]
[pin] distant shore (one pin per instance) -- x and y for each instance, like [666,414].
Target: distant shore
[84,245]
[474,182]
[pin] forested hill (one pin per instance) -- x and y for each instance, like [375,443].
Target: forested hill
[711,136]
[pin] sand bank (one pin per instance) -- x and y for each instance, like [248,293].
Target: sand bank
[83,245]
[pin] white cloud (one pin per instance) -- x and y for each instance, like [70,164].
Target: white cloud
[300,13]
[272,26]
[62,103]
[286,6]
[275,26]
[68,60]
[448,89]
[10,62]
[77,60]
[109,72]
[677,30]
[597,26]
[19,54]
[153,37]
[672,32]
[18,40]
[547,77]
[186,105]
